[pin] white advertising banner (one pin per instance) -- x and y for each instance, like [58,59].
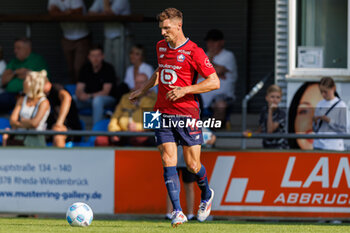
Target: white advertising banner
[50,180]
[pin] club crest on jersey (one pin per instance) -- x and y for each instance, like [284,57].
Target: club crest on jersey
[181,58]
[208,63]
[162,49]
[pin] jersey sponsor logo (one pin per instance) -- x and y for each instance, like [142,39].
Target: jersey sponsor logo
[162,49]
[184,51]
[208,63]
[170,66]
[161,56]
[168,76]
[181,58]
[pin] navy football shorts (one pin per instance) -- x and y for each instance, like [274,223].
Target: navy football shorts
[171,130]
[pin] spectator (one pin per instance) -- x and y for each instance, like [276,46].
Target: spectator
[273,119]
[76,38]
[187,178]
[16,71]
[96,80]
[2,67]
[63,115]
[138,65]
[224,62]
[31,111]
[330,117]
[208,137]
[113,31]
[128,116]
[301,112]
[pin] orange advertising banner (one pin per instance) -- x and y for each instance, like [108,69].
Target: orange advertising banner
[266,184]
[139,184]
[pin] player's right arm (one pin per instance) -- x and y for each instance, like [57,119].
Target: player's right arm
[212,82]
[152,82]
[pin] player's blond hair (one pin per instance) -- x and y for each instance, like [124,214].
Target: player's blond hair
[273,88]
[169,13]
[36,82]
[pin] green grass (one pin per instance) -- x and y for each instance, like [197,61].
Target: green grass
[147,226]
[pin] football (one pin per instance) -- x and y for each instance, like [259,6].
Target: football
[79,214]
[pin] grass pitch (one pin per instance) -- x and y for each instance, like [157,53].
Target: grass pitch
[147,226]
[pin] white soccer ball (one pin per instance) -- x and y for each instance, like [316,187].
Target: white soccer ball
[79,214]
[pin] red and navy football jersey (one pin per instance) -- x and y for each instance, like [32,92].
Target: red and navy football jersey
[180,67]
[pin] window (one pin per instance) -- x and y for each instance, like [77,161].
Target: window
[318,38]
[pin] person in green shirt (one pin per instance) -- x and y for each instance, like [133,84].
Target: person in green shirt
[12,79]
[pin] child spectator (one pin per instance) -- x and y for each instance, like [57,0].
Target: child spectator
[330,117]
[273,119]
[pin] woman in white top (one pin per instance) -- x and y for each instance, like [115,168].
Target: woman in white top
[330,117]
[32,110]
[137,57]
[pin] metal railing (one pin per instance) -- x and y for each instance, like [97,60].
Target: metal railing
[233,135]
[245,100]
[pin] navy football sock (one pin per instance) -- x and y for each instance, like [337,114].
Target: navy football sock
[202,182]
[172,183]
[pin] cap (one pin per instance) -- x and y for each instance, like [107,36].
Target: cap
[214,34]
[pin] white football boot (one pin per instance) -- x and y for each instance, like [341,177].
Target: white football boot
[205,208]
[178,218]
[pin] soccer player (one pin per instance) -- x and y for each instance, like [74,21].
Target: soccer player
[179,62]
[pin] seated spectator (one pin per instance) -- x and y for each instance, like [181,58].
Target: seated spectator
[16,71]
[31,111]
[63,114]
[128,117]
[209,138]
[113,31]
[2,66]
[330,117]
[272,119]
[138,66]
[76,38]
[94,87]
[224,62]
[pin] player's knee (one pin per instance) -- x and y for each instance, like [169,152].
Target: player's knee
[193,167]
[168,160]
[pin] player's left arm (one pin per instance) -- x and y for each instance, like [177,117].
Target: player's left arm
[220,70]
[212,82]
